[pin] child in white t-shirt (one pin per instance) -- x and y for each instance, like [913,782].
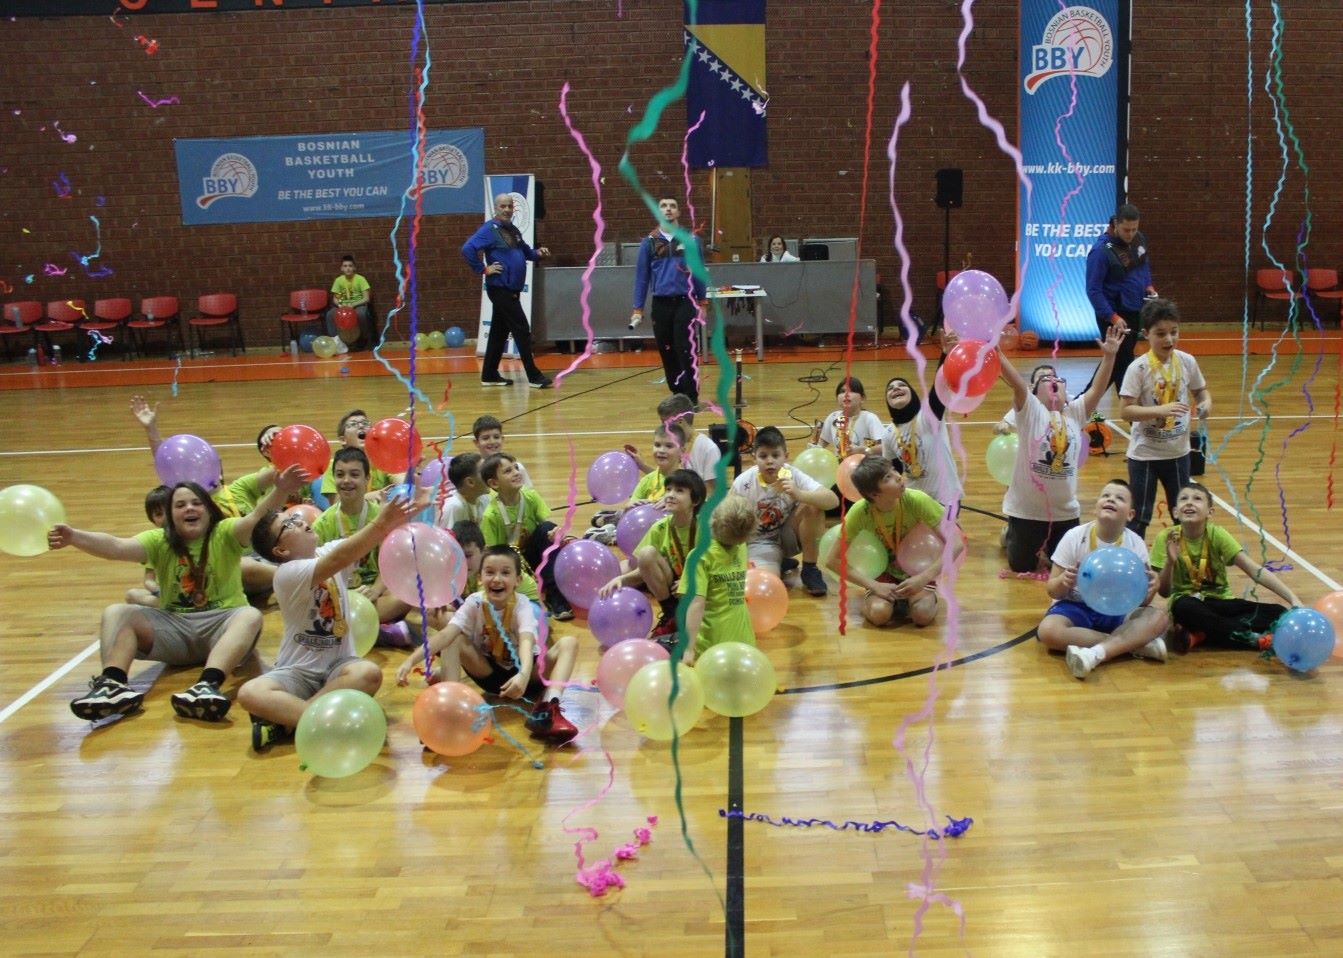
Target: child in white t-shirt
[470,495]
[850,428]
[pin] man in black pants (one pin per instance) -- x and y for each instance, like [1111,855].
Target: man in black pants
[499,253]
[677,296]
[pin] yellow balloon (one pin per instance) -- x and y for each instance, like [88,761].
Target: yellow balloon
[818,463]
[324,346]
[738,678]
[27,514]
[437,340]
[362,618]
[646,701]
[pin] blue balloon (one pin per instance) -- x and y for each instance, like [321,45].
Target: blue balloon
[1303,639]
[1112,580]
[454,336]
[305,342]
[405,490]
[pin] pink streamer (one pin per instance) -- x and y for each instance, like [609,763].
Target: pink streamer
[601,876]
[155,104]
[597,234]
[699,319]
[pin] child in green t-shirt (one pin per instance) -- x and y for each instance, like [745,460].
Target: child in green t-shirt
[669,443]
[517,516]
[352,429]
[156,511]
[718,613]
[890,511]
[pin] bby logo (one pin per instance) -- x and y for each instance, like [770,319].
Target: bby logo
[1076,41]
[231,174]
[445,166]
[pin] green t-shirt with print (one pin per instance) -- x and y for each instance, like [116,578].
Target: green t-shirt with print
[334,524]
[720,578]
[181,588]
[890,527]
[512,525]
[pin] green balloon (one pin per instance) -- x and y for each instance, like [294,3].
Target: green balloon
[1001,457]
[820,464]
[421,342]
[362,618]
[27,514]
[738,679]
[866,553]
[340,733]
[437,340]
[325,346]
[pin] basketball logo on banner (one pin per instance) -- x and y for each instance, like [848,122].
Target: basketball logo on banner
[232,174]
[1076,41]
[522,214]
[445,166]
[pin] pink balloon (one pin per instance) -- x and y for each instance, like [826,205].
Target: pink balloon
[625,615]
[634,523]
[612,477]
[958,404]
[620,663]
[431,551]
[582,567]
[975,305]
[918,549]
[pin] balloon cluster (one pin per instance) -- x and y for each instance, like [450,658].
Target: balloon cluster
[976,309]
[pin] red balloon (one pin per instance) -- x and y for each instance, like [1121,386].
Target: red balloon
[961,362]
[392,445]
[302,446]
[346,317]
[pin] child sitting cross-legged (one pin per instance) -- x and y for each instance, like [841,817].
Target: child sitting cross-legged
[669,443]
[493,638]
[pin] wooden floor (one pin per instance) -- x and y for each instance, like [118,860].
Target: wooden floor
[1190,808]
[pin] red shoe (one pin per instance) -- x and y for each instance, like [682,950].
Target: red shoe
[666,626]
[548,723]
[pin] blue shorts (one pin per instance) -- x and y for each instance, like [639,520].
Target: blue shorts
[1085,617]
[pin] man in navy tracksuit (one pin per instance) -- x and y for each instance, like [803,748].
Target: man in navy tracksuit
[1119,277]
[498,252]
[677,296]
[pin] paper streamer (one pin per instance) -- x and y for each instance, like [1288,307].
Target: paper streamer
[176,369]
[598,232]
[955,828]
[699,319]
[485,715]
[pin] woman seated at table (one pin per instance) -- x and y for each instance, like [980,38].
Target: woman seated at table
[777,252]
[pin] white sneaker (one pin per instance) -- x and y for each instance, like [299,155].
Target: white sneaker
[342,347]
[1154,650]
[605,534]
[1081,660]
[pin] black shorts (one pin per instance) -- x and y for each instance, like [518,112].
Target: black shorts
[500,675]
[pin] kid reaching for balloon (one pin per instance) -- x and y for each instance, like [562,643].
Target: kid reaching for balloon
[717,613]
[1191,560]
[1086,636]
[317,652]
[891,513]
[492,637]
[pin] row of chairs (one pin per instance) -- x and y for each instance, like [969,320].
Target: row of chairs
[1285,286]
[30,324]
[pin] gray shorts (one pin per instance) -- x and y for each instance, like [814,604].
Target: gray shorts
[305,683]
[186,638]
[773,550]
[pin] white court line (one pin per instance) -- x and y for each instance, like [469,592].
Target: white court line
[47,683]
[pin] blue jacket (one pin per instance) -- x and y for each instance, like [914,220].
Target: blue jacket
[662,266]
[501,243]
[1117,275]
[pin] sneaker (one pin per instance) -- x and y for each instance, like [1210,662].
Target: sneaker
[499,381]
[559,608]
[106,697]
[1154,650]
[1081,660]
[542,383]
[605,517]
[548,723]
[787,566]
[812,580]
[265,734]
[606,534]
[1182,640]
[666,626]
[202,701]
[394,635]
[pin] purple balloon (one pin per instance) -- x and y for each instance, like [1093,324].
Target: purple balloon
[634,523]
[581,568]
[625,615]
[612,477]
[975,305]
[186,458]
[435,472]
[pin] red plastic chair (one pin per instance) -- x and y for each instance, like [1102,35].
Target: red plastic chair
[1277,285]
[63,316]
[1322,285]
[306,306]
[19,320]
[109,316]
[218,310]
[157,312]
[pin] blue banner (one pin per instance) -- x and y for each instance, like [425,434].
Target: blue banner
[726,93]
[324,176]
[1070,150]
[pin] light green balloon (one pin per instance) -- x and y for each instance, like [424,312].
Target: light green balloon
[421,341]
[646,701]
[437,340]
[27,514]
[362,618]
[325,346]
[738,678]
[866,553]
[340,733]
[821,464]
[1001,457]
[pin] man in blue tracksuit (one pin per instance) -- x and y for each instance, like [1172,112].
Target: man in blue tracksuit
[677,295]
[499,253]
[1119,278]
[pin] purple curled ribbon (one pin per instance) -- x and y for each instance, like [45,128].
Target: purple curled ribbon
[955,829]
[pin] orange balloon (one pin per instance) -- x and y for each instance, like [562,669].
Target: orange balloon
[307,510]
[1331,607]
[392,445]
[766,599]
[450,719]
[844,477]
[303,446]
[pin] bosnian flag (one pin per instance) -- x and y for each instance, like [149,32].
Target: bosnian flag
[726,48]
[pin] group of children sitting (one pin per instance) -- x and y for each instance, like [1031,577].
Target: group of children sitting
[193,608]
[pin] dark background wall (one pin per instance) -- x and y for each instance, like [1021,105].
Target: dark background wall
[501,66]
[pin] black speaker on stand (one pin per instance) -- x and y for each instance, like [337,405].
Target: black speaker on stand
[950,195]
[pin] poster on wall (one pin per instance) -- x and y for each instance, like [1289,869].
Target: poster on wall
[522,187]
[325,176]
[1071,124]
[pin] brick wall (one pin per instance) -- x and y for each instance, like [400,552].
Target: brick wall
[501,66]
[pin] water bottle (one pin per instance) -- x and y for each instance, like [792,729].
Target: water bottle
[293,349]
[56,355]
[32,356]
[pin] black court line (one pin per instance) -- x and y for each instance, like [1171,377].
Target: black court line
[734,944]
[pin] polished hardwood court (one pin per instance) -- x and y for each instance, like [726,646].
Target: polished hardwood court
[1192,808]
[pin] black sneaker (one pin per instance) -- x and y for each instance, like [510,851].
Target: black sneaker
[787,565]
[202,701]
[498,381]
[105,698]
[812,580]
[265,734]
[543,383]
[559,608]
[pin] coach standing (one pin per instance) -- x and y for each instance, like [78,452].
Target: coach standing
[1119,278]
[677,295]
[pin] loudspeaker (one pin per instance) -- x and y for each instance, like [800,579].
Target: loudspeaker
[949,186]
[539,199]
